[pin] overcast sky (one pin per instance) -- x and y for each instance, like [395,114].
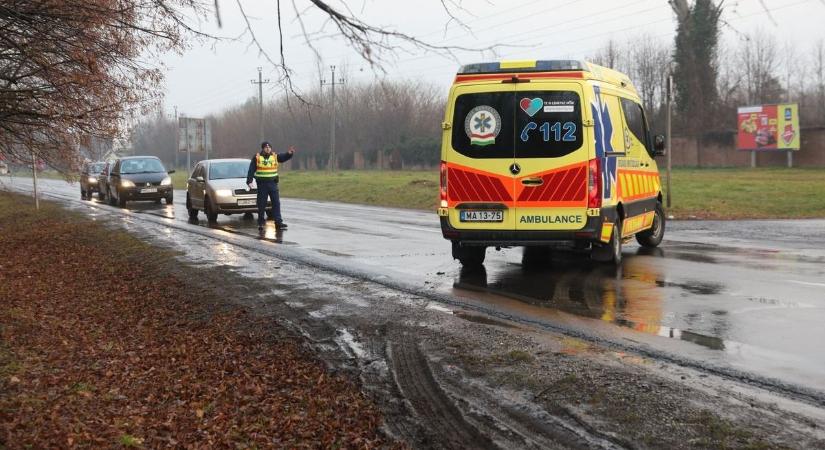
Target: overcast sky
[209,78]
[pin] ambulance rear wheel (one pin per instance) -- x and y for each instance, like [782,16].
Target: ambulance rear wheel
[653,236]
[469,256]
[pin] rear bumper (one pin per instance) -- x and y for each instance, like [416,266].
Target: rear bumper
[514,238]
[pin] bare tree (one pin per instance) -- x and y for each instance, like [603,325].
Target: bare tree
[758,57]
[648,62]
[70,69]
[610,55]
[818,75]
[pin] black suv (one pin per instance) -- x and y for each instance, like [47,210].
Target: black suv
[88,179]
[139,178]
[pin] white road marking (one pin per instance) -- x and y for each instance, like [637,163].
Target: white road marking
[807,283]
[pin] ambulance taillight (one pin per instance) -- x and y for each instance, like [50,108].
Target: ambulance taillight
[594,184]
[443,196]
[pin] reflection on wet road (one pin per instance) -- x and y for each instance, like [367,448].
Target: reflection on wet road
[754,299]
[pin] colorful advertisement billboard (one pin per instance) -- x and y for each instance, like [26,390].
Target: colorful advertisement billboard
[768,127]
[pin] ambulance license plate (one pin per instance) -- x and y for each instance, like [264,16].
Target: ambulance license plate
[148,190]
[247,202]
[481,216]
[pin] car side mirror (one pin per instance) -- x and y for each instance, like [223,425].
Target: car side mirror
[199,179]
[170,172]
[659,145]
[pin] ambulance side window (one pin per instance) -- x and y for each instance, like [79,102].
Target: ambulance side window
[635,120]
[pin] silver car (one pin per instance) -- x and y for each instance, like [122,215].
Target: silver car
[218,186]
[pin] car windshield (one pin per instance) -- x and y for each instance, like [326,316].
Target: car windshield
[148,165]
[224,170]
[96,168]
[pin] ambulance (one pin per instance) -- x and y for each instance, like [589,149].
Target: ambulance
[539,152]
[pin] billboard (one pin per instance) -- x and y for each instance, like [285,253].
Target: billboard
[194,135]
[768,127]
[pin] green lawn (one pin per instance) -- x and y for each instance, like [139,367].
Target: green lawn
[747,193]
[400,189]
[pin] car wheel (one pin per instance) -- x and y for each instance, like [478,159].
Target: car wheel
[269,214]
[169,200]
[111,198]
[612,251]
[101,195]
[193,213]
[82,193]
[653,236]
[469,256]
[121,202]
[248,216]
[211,215]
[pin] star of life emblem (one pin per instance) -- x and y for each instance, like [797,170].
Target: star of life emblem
[482,125]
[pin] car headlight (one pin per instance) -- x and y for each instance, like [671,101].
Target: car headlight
[223,193]
[126,184]
[92,180]
[166,181]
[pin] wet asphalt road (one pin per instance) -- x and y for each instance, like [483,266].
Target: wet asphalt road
[743,295]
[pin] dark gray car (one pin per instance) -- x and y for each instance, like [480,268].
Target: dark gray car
[88,179]
[139,178]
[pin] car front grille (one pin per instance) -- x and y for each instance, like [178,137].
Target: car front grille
[245,192]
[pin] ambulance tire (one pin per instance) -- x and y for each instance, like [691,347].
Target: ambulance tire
[653,236]
[469,256]
[612,251]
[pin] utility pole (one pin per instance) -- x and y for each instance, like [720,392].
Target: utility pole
[261,82]
[668,131]
[333,162]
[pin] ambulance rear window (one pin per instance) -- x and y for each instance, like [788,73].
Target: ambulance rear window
[534,124]
[548,124]
[483,125]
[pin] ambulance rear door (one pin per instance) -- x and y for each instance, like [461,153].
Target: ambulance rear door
[550,156]
[479,157]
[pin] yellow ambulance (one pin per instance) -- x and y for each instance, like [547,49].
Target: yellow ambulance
[547,150]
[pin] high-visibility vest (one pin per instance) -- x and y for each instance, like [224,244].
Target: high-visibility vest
[266,168]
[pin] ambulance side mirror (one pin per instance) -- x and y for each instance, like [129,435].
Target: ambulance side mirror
[659,145]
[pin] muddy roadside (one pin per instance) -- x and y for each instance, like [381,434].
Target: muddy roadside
[447,378]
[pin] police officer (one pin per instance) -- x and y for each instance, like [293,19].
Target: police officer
[264,168]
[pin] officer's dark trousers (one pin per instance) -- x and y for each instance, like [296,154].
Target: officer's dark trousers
[268,189]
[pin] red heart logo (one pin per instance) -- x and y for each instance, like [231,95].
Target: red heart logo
[525,104]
